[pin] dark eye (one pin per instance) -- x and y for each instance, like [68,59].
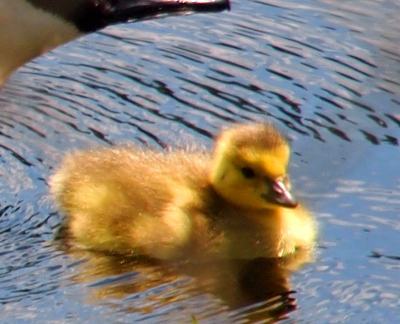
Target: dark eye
[248,173]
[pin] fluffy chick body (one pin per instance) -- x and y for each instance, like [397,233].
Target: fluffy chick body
[173,205]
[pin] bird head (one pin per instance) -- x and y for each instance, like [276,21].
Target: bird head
[249,167]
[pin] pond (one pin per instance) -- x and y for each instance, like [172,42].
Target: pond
[327,73]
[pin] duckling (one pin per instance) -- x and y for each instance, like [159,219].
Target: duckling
[233,203]
[32,27]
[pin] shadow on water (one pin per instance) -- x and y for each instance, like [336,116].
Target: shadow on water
[325,72]
[252,290]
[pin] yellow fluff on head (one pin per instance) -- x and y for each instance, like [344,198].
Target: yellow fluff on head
[233,203]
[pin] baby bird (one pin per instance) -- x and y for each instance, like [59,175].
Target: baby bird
[233,203]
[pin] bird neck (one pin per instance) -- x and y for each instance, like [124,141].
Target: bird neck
[28,32]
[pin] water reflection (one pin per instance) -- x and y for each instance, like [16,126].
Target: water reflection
[252,290]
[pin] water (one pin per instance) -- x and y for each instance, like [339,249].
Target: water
[325,72]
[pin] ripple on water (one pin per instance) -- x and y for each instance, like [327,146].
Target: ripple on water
[324,72]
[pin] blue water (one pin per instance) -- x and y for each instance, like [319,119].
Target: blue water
[325,72]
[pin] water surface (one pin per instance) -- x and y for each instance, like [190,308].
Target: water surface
[325,72]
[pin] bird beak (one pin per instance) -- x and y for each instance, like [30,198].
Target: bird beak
[279,194]
[113,12]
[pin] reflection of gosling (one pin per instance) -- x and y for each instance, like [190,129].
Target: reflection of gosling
[234,203]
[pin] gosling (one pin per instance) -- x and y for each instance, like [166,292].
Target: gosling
[233,203]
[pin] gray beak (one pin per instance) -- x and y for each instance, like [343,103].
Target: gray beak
[280,195]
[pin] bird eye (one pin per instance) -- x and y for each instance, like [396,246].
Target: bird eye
[248,173]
